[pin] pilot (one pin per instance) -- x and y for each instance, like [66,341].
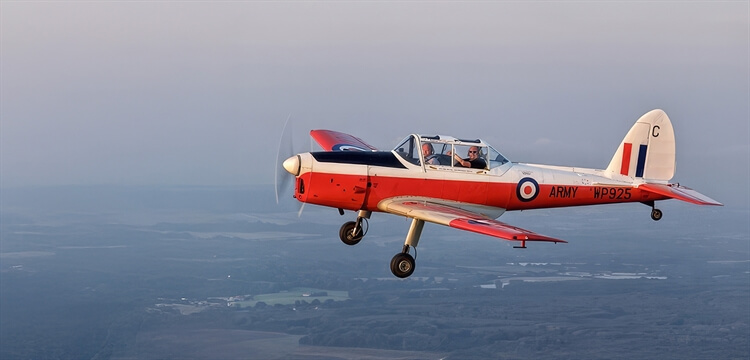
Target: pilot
[473,161]
[429,154]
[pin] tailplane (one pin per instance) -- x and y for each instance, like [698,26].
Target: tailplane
[676,191]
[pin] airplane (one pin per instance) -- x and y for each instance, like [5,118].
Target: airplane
[425,179]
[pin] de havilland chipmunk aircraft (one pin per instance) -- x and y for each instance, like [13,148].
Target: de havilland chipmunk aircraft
[428,179]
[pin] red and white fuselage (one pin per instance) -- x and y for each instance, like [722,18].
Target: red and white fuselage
[350,182]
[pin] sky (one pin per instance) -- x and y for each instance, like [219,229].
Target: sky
[196,93]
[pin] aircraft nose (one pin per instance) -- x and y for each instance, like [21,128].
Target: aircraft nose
[292,165]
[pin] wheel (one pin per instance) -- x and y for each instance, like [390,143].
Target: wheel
[346,233]
[402,265]
[656,214]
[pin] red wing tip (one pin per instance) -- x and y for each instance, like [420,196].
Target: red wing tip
[557,241]
[545,240]
[549,239]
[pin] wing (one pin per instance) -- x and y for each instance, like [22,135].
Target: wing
[679,192]
[331,140]
[438,212]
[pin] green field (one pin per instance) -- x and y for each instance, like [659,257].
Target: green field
[295,294]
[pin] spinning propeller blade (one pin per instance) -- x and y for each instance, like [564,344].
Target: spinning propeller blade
[286,149]
[284,181]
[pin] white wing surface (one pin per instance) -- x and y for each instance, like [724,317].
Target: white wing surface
[460,216]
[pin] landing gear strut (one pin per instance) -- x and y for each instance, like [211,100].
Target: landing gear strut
[402,264]
[656,214]
[352,231]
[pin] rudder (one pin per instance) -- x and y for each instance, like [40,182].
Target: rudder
[648,150]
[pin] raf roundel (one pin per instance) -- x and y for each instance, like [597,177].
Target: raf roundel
[527,189]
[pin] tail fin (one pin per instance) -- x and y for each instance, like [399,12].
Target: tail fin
[648,150]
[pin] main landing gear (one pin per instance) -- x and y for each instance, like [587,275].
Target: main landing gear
[402,264]
[656,214]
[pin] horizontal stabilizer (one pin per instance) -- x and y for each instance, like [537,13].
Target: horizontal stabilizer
[679,192]
[331,140]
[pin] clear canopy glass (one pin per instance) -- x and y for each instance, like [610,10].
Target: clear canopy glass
[445,151]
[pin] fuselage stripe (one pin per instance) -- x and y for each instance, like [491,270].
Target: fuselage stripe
[627,149]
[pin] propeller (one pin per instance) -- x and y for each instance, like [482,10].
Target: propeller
[286,149]
[284,181]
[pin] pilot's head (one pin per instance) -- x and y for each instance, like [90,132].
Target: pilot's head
[473,152]
[427,149]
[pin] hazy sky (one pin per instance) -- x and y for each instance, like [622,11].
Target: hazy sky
[196,92]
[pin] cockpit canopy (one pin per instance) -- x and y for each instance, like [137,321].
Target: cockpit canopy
[438,151]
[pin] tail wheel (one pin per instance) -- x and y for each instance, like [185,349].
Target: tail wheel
[348,235]
[402,265]
[656,214]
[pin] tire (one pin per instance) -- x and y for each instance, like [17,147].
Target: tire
[402,265]
[656,214]
[345,234]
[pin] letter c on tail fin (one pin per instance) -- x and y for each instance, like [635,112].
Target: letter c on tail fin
[648,150]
